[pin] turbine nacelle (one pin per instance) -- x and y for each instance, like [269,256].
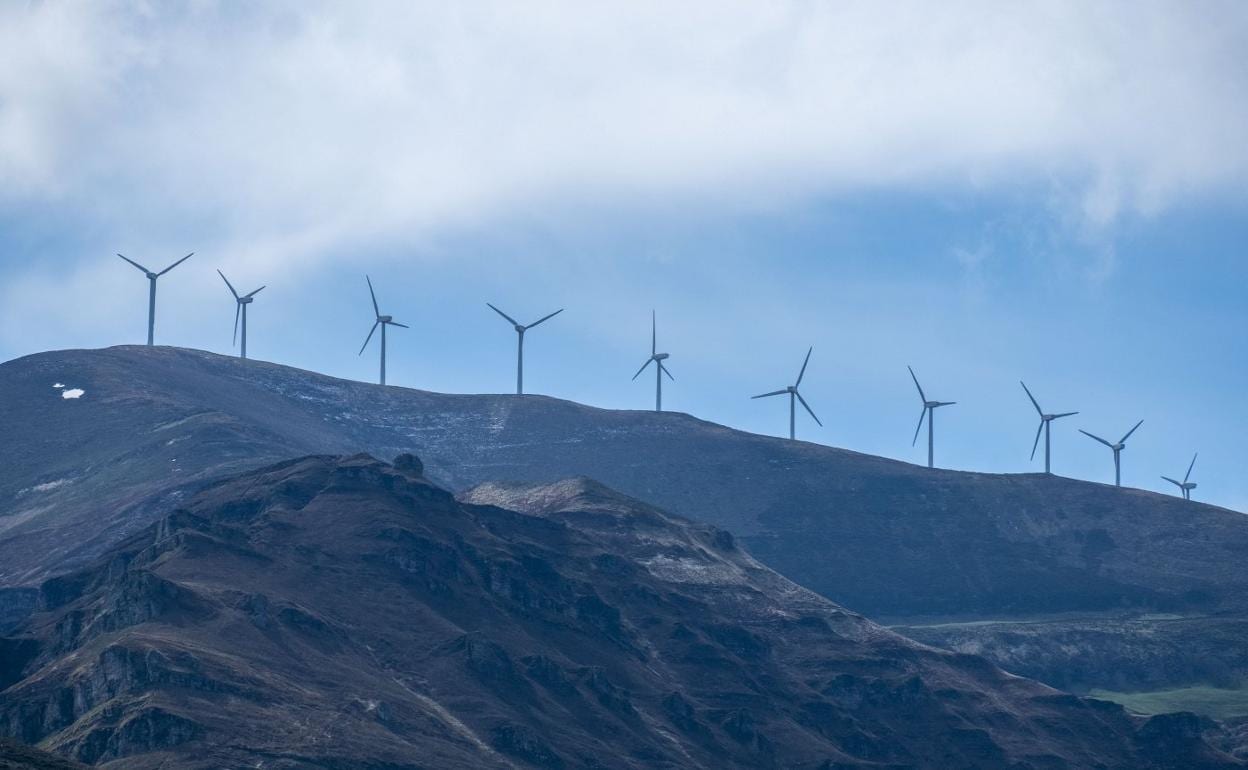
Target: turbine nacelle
[385,319]
[520,328]
[661,356]
[791,389]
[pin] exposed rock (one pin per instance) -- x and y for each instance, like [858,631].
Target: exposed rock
[341,612]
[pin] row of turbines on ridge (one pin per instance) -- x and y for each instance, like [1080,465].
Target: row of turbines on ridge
[928,414]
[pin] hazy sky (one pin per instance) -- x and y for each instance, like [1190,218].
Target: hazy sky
[1055,191]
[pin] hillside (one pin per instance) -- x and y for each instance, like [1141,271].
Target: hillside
[342,612]
[888,539]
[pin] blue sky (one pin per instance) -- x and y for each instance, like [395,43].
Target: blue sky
[1055,194]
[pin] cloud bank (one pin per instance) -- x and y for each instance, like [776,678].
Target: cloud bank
[291,129]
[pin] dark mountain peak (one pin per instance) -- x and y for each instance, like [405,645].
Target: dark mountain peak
[336,611]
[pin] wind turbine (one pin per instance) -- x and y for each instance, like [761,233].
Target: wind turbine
[657,358]
[1117,449]
[383,321]
[929,411]
[240,309]
[520,330]
[1185,486]
[794,397]
[151,293]
[1045,419]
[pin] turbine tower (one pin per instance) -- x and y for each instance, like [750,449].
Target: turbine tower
[240,309]
[383,321]
[794,397]
[1117,450]
[1185,486]
[657,358]
[151,293]
[520,330]
[1045,420]
[929,411]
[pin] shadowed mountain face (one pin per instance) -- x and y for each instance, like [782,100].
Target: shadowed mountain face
[343,612]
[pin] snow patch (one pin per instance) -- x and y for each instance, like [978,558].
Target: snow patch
[73,393]
[47,486]
[58,385]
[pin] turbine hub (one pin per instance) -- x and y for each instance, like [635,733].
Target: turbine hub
[660,356]
[519,329]
[792,389]
[152,276]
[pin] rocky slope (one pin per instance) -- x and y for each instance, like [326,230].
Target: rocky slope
[15,756]
[342,612]
[888,539]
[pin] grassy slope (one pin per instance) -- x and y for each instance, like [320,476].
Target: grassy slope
[1209,701]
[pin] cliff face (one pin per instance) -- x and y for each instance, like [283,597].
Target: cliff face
[343,612]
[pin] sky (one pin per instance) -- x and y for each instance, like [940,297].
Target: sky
[1055,192]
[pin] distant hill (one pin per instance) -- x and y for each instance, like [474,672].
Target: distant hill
[334,612]
[885,538]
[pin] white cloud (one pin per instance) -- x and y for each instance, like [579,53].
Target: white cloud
[288,130]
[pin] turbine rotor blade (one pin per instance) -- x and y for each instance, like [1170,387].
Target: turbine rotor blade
[1124,438]
[371,293]
[396,323]
[919,427]
[1172,481]
[238,308]
[1034,403]
[544,318]
[369,337]
[643,368]
[665,371]
[917,385]
[802,373]
[504,315]
[136,264]
[808,409]
[254,293]
[227,283]
[1037,441]
[175,264]
[1064,414]
[772,393]
[945,403]
[1187,475]
[1098,438]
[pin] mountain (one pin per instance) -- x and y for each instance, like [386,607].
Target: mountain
[334,612]
[888,539]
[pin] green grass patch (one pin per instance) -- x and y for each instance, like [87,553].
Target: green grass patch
[1209,701]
